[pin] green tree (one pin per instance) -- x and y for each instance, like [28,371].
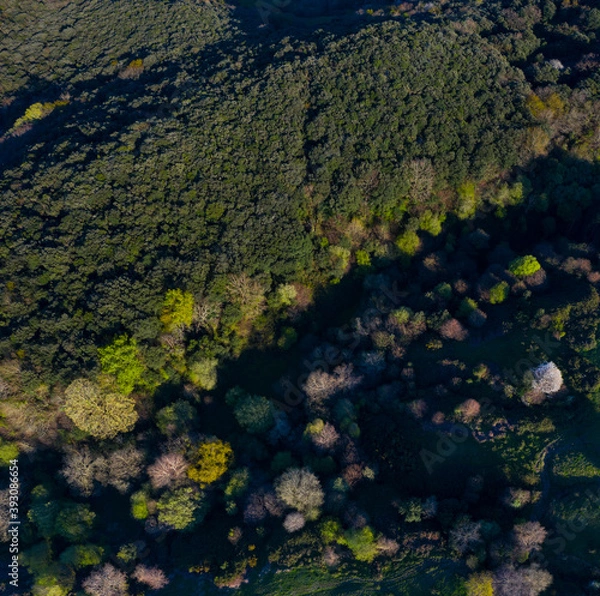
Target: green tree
[409,243]
[139,505]
[467,306]
[361,542]
[74,521]
[176,418]
[8,452]
[82,555]
[499,292]
[254,413]
[236,487]
[181,509]
[42,513]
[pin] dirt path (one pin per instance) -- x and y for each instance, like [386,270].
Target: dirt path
[547,454]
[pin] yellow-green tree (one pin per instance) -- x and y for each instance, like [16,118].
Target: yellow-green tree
[408,242]
[524,266]
[103,415]
[213,459]
[178,310]
[203,373]
[480,584]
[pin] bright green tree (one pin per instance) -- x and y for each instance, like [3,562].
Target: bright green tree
[432,222]
[361,542]
[284,296]
[122,359]
[139,505]
[409,243]
[524,266]
[467,201]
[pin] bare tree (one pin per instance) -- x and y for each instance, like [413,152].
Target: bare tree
[247,293]
[386,546]
[465,536]
[207,315]
[168,470]
[107,581]
[453,329]
[255,510]
[321,385]
[469,409]
[352,474]
[421,176]
[153,577]
[273,504]
[326,438]
[124,465]
[521,581]
[527,537]
[81,468]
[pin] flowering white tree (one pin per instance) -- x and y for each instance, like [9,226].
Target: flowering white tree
[547,378]
[294,522]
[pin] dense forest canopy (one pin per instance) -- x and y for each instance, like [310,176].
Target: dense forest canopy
[301,286]
[105,220]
